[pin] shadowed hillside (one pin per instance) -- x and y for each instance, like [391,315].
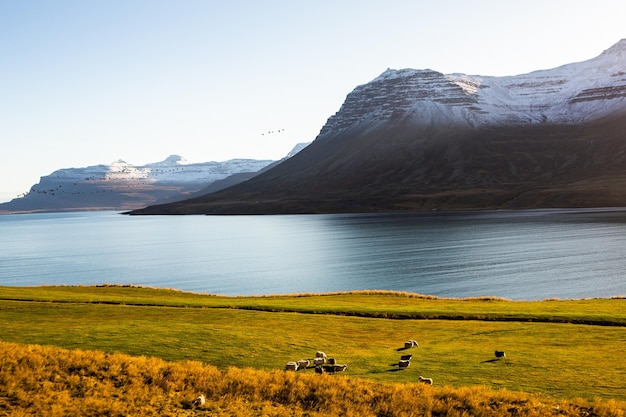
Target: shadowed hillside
[408,167]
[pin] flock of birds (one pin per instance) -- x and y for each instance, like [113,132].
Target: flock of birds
[271,132]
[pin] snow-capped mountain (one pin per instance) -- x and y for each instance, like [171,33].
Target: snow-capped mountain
[122,186]
[174,169]
[420,139]
[297,149]
[571,93]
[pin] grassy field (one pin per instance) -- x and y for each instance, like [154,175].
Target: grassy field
[548,350]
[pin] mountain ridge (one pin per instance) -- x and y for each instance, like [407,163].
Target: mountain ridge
[120,185]
[422,140]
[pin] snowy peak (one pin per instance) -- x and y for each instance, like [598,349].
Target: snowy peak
[297,148]
[119,170]
[172,160]
[423,95]
[618,49]
[173,169]
[571,93]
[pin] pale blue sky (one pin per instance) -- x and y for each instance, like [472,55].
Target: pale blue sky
[85,82]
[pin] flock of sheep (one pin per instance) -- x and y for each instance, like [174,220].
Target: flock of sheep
[405,360]
[320,360]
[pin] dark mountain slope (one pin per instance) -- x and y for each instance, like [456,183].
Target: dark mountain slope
[408,167]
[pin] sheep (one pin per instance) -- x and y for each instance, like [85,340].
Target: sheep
[319,361]
[410,343]
[339,368]
[291,366]
[427,381]
[319,369]
[403,364]
[500,354]
[332,361]
[303,363]
[320,355]
[200,400]
[406,357]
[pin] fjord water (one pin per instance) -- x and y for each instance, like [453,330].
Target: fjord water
[532,254]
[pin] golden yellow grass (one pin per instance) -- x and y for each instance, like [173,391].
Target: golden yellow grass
[49,381]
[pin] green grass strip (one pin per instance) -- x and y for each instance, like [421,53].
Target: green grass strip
[378,304]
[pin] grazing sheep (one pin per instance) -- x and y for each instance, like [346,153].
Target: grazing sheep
[319,369]
[403,364]
[200,400]
[500,354]
[291,366]
[320,355]
[406,357]
[303,364]
[339,368]
[332,361]
[410,343]
[319,361]
[427,381]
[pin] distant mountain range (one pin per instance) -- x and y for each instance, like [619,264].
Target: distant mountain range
[123,186]
[422,140]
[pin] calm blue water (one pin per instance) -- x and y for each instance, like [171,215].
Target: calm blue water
[533,254]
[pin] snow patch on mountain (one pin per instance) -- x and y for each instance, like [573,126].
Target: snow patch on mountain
[570,93]
[174,169]
[297,149]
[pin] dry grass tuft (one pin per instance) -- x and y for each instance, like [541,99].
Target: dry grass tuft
[41,380]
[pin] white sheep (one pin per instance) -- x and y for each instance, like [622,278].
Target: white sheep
[319,361]
[291,366]
[410,343]
[500,354]
[427,381]
[320,355]
[200,400]
[303,363]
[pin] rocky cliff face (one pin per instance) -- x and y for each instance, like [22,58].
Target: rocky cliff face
[425,95]
[420,139]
